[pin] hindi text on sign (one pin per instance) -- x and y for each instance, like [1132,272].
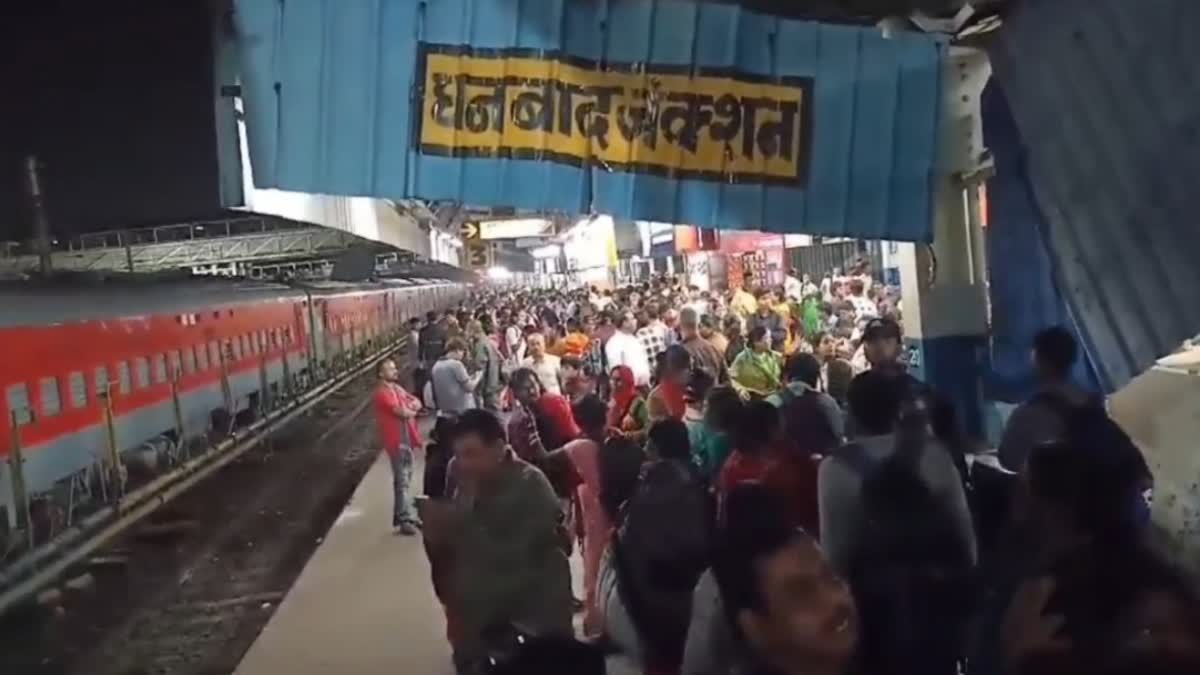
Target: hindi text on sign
[689,124]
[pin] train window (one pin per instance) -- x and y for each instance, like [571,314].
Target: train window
[188,361]
[51,396]
[233,350]
[160,368]
[287,335]
[124,380]
[214,354]
[176,363]
[101,380]
[274,338]
[141,372]
[17,396]
[79,393]
[263,341]
[201,357]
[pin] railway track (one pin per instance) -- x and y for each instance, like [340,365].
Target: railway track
[185,590]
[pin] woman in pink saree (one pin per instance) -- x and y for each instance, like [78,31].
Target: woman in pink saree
[590,413]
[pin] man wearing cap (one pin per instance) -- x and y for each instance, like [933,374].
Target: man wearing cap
[881,348]
[884,346]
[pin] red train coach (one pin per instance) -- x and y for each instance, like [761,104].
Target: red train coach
[112,367]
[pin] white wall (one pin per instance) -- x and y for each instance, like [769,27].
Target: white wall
[374,219]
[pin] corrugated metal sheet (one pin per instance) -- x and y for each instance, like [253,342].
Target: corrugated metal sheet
[1024,294]
[1106,94]
[329,90]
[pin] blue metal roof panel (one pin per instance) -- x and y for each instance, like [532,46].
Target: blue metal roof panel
[1024,294]
[1106,94]
[329,87]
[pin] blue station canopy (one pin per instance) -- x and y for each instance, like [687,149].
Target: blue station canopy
[663,110]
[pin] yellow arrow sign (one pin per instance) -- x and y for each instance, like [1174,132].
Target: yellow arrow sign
[469,230]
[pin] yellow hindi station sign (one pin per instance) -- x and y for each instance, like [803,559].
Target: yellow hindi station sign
[674,121]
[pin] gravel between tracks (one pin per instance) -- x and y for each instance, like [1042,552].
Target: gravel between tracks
[187,592]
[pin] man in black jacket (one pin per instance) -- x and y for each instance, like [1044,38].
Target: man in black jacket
[431,346]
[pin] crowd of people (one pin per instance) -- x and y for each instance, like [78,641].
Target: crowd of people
[755,484]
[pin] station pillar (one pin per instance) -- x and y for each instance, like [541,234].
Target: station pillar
[944,282]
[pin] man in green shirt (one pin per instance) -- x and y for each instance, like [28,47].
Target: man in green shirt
[500,542]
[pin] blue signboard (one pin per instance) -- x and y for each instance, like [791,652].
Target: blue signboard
[665,110]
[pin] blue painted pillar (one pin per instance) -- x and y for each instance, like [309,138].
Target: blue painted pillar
[944,287]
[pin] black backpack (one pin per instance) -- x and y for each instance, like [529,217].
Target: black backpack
[660,549]
[1091,407]
[666,528]
[909,571]
[805,423]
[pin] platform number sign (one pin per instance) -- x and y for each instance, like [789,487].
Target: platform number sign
[479,254]
[913,359]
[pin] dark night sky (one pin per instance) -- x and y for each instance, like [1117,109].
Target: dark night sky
[115,97]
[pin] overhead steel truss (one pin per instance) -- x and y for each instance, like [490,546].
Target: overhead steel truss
[188,245]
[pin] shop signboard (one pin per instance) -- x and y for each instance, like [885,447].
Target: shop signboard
[749,241]
[689,239]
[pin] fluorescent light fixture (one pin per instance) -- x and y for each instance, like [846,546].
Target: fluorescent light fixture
[499,273]
[515,229]
[542,252]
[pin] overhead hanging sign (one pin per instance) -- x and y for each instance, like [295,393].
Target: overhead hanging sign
[671,111]
[709,124]
[469,230]
[515,229]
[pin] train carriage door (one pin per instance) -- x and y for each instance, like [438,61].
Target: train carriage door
[299,328]
[385,321]
[320,328]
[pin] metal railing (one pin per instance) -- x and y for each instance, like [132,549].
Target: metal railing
[179,232]
[188,245]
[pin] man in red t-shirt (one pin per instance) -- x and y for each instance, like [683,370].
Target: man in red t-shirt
[395,417]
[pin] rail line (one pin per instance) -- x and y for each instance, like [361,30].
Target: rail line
[25,577]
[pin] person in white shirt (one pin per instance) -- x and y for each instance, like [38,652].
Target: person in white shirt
[548,367]
[513,343]
[793,288]
[603,302]
[808,288]
[625,349]
[865,308]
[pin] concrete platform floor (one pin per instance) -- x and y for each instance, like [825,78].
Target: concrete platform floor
[364,604]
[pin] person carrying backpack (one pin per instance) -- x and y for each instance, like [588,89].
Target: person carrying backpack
[1041,419]
[812,420]
[895,522]
[662,545]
